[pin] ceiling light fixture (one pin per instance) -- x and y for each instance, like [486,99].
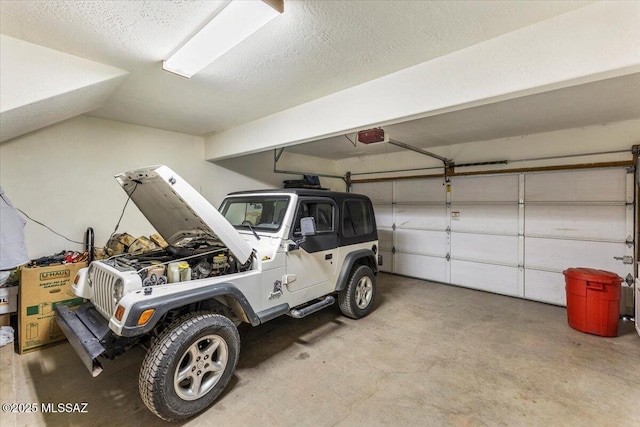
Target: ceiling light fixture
[237,21]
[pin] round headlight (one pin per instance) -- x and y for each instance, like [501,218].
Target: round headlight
[118,289]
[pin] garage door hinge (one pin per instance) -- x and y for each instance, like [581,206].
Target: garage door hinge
[393,250]
[629,280]
[448,257]
[393,227]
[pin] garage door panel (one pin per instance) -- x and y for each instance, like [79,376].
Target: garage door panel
[422,267]
[545,286]
[421,242]
[486,277]
[421,216]
[502,188]
[387,261]
[385,238]
[420,190]
[384,215]
[488,248]
[499,219]
[377,191]
[558,255]
[599,185]
[587,222]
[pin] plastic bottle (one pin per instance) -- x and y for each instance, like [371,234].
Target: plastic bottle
[173,272]
[185,271]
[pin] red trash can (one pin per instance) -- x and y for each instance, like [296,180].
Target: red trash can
[593,300]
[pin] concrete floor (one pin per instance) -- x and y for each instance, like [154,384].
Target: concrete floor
[429,354]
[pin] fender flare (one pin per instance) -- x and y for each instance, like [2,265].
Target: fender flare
[350,260]
[164,304]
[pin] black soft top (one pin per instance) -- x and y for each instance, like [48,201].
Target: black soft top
[338,198]
[306,192]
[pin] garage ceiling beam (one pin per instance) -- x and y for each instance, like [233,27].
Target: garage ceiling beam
[593,43]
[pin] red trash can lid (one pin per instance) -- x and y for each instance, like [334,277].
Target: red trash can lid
[593,275]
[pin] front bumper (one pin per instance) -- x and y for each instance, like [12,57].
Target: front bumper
[85,329]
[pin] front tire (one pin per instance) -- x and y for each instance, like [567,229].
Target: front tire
[189,365]
[357,298]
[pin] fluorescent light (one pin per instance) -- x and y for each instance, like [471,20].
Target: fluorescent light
[237,21]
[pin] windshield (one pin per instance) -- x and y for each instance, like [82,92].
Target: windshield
[264,213]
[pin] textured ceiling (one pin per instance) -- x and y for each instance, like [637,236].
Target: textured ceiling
[315,48]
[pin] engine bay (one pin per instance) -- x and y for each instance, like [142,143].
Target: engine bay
[190,259]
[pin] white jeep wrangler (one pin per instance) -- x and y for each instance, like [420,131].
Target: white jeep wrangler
[263,254]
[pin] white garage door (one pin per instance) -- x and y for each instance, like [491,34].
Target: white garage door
[381,195]
[485,251]
[575,219]
[511,234]
[420,236]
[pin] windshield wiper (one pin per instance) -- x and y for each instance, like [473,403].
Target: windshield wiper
[253,231]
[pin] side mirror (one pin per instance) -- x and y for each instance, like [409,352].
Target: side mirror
[307,226]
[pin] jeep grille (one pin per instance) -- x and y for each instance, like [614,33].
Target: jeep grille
[102,283]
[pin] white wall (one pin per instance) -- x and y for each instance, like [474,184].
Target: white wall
[591,139]
[63,176]
[259,166]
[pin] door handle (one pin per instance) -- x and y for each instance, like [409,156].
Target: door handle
[627,259]
[328,256]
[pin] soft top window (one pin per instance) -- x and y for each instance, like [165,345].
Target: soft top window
[321,211]
[357,219]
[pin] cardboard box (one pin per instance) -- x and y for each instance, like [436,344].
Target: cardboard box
[5,319]
[41,289]
[8,299]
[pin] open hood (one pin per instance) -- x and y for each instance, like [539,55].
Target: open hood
[175,208]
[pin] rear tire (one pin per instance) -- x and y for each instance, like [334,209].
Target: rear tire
[357,298]
[189,365]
